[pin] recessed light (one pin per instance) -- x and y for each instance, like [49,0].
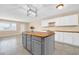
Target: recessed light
[60,6]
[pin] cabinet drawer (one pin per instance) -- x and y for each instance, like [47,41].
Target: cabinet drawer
[35,43]
[36,38]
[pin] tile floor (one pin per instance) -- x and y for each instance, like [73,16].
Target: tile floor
[66,49]
[13,46]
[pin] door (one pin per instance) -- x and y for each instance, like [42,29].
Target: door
[22,28]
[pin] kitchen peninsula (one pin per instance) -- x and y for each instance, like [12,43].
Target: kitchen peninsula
[39,43]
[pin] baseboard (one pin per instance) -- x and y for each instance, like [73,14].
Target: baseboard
[17,34]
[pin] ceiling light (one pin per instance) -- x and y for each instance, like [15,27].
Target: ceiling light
[31,10]
[60,6]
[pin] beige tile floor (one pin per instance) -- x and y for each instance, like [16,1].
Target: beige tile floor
[66,49]
[13,46]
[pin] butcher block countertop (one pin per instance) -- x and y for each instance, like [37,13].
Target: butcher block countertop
[40,34]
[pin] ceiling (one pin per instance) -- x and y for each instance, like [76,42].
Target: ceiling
[18,12]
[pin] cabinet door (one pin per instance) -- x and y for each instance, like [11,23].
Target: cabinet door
[56,36]
[28,42]
[59,36]
[49,45]
[36,46]
[59,21]
[24,41]
[75,39]
[68,38]
[67,20]
[71,20]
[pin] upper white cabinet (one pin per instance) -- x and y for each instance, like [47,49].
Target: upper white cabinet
[67,20]
[70,20]
[46,22]
[59,21]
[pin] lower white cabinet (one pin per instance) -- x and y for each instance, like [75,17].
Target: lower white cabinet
[71,38]
[59,36]
[67,37]
[75,39]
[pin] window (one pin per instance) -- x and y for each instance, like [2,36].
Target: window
[7,26]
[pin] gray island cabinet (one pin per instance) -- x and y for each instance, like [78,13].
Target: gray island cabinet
[39,43]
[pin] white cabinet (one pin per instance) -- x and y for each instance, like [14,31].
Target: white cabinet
[62,21]
[67,20]
[75,39]
[71,38]
[59,36]
[46,22]
[71,20]
[59,21]
[67,37]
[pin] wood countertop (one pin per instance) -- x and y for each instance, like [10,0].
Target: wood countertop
[40,34]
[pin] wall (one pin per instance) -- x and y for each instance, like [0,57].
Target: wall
[18,29]
[36,24]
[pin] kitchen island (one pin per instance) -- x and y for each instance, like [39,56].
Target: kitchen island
[39,43]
